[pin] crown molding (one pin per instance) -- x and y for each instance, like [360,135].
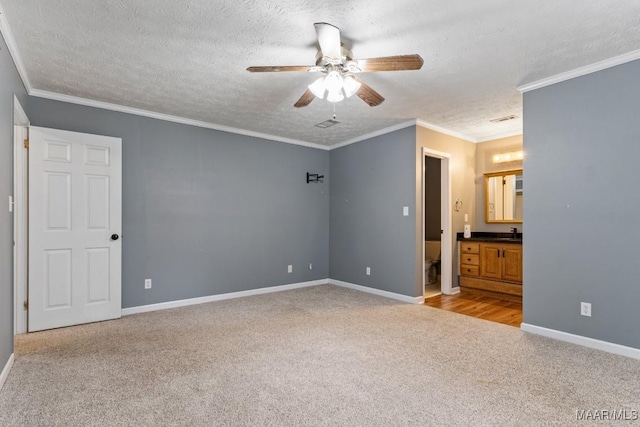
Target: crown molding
[5,29]
[393,128]
[373,134]
[588,69]
[167,117]
[445,131]
[499,136]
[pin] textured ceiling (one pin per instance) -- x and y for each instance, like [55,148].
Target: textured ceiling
[188,58]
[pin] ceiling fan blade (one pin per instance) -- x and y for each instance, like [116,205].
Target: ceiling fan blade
[329,41]
[368,95]
[305,99]
[275,68]
[391,63]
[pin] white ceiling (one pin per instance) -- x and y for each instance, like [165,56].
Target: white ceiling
[188,58]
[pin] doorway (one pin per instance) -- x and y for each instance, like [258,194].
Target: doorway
[20,216]
[432,226]
[436,233]
[67,222]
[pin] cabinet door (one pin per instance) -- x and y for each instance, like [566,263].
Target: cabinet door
[512,263]
[491,261]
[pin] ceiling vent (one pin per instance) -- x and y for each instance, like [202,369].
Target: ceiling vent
[503,119]
[327,123]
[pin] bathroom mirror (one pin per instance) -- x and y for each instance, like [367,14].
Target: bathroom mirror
[503,196]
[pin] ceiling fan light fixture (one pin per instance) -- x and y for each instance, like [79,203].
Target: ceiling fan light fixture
[350,85]
[318,88]
[335,96]
[333,82]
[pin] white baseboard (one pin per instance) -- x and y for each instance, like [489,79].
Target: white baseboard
[392,295]
[220,297]
[6,370]
[455,290]
[621,350]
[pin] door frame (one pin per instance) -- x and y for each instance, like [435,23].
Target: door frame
[446,248]
[20,217]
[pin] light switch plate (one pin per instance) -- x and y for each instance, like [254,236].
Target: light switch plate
[405,211]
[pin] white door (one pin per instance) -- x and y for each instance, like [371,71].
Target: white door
[75,219]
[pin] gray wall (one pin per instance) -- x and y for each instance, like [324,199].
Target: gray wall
[10,84]
[370,183]
[207,212]
[582,143]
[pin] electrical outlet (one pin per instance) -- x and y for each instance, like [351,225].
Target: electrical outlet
[290,269]
[147,283]
[368,271]
[585,309]
[310,266]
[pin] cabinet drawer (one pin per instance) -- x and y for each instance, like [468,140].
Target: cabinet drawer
[469,270]
[470,247]
[470,259]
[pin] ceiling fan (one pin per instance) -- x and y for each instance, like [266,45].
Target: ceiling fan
[340,69]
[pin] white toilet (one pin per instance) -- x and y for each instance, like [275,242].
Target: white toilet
[431,259]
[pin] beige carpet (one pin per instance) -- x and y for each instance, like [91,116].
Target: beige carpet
[315,356]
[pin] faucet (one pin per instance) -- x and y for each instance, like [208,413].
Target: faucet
[514,230]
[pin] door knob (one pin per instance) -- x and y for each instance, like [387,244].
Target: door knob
[114,237]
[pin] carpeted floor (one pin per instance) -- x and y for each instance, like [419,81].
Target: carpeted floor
[314,356]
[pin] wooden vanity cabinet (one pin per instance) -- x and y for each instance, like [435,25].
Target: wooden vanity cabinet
[470,259]
[493,267]
[501,261]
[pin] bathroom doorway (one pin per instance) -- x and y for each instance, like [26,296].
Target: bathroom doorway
[432,227]
[435,231]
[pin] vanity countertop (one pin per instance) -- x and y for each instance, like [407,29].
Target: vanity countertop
[482,236]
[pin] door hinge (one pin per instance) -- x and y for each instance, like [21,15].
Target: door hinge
[26,144]
[26,305]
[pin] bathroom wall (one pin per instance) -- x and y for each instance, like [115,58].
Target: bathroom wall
[484,164]
[582,144]
[462,170]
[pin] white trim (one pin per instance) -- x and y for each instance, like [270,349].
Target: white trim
[403,125]
[20,220]
[445,131]
[446,246]
[373,134]
[19,116]
[583,341]
[5,29]
[588,69]
[386,294]
[5,372]
[455,290]
[17,59]
[211,298]
[167,117]
[500,136]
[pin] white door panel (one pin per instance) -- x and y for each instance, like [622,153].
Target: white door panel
[75,184]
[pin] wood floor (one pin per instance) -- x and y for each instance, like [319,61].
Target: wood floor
[482,307]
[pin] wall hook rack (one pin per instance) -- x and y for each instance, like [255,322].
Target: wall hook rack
[314,177]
